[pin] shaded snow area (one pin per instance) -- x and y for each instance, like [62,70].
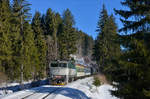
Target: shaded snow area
[9,88]
[80,89]
[84,89]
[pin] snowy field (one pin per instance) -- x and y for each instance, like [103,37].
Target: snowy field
[80,89]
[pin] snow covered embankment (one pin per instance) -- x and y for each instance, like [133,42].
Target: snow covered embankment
[80,89]
[83,89]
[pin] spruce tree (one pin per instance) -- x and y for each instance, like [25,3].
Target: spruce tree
[107,47]
[112,45]
[63,46]
[28,52]
[79,43]
[43,25]
[25,40]
[100,47]
[59,23]
[59,27]
[16,37]
[84,45]
[68,37]
[132,75]
[87,45]
[5,38]
[51,27]
[40,44]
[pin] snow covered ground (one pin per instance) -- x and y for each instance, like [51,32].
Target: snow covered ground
[15,87]
[80,89]
[84,89]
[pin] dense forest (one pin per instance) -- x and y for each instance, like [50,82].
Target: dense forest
[124,55]
[28,43]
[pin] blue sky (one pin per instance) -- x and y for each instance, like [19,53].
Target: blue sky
[86,12]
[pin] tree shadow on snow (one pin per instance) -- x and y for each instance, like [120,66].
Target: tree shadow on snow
[25,86]
[65,91]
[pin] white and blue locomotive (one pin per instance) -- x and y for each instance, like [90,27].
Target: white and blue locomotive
[61,72]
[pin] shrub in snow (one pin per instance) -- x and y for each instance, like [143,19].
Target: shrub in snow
[97,81]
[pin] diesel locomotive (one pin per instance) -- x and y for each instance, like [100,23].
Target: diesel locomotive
[62,72]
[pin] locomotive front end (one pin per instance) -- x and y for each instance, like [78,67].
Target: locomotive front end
[58,72]
[61,72]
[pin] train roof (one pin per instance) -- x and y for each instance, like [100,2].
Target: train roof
[60,61]
[82,65]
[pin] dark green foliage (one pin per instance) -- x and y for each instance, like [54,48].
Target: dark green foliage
[106,48]
[26,49]
[84,44]
[100,42]
[51,23]
[102,19]
[97,81]
[43,24]
[68,18]
[63,46]
[5,36]
[112,46]
[40,44]
[24,39]
[132,74]
[51,27]
[68,37]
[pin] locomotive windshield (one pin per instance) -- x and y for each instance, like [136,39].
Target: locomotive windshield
[54,64]
[63,65]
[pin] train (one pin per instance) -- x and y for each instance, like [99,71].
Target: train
[62,72]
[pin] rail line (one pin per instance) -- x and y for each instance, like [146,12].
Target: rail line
[28,95]
[32,94]
[51,93]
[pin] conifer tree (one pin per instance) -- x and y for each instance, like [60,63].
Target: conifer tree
[59,27]
[112,45]
[63,46]
[68,36]
[50,56]
[87,45]
[100,49]
[84,45]
[51,26]
[5,38]
[132,75]
[107,47]
[16,37]
[43,24]
[28,52]
[25,41]
[40,44]
[59,23]
[79,43]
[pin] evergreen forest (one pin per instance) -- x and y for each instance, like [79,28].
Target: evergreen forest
[29,43]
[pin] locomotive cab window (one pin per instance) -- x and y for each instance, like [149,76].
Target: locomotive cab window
[54,64]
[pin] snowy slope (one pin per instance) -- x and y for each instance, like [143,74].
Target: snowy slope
[80,89]
[83,89]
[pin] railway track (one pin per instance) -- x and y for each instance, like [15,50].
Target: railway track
[48,92]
